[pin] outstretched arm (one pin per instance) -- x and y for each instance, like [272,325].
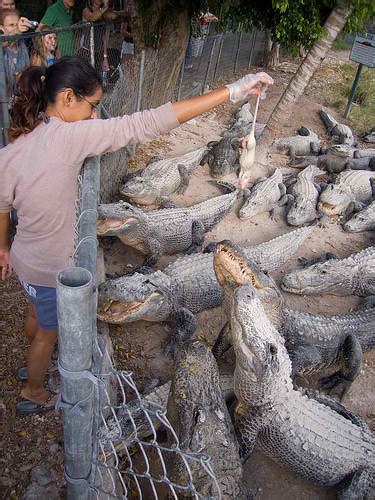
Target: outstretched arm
[241,89]
[93,137]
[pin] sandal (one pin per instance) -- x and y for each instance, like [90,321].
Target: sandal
[22,372]
[25,406]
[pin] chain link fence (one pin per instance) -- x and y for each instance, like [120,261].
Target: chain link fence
[118,444]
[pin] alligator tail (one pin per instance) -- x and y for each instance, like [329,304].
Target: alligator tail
[224,187]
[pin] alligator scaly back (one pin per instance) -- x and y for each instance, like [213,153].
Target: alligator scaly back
[188,282]
[317,438]
[161,178]
[353,275]
[199,416]
[317,342]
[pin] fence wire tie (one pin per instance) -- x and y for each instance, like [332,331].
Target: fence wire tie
[78,481]
[73,408]
[83,240]
[87,210]
[84,374]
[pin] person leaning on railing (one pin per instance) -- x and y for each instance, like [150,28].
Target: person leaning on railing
[53,129]
[60,15]
[16,55]
[97,11]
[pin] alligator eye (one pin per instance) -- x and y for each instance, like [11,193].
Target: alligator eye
[273,349]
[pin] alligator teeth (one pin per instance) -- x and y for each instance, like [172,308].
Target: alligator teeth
[107,305]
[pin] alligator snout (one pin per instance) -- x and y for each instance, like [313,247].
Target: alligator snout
[291,282]
[245,293]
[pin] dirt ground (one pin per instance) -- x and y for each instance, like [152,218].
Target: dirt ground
[28,441]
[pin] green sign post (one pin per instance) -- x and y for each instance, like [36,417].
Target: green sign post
[363,52]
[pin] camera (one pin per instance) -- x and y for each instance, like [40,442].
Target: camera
[34,24]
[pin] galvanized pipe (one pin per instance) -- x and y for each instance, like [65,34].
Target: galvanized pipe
[75,309]
[140,80]
[92,46]
[209,65]
[86,251]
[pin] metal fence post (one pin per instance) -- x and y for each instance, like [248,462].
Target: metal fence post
[92,46]
[181,79]
[253,38]
[4,113]
[238,50]
[140,80]
[209,64]
[218,55]
[75,310]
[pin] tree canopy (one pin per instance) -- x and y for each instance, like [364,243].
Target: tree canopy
[292,22]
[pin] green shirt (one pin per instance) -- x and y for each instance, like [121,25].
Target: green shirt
[57,16]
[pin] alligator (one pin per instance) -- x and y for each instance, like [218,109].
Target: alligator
[166,231]
[313,342]
[368,136]
[221,157]
[160,178]
[299,145]
[305,192]
[313,436]
[267,194]
[243,114]
[318,342]
[200,419]
[189,282]
[354,275]
[364,153]
[362,221]
[237,131]
[342,133]
[342,150]
[336,164]
[140,412]
[350,191]
[365,163]
[332,163]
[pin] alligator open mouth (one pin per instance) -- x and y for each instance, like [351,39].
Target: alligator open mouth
[103,226]
[231,268]
[327,208]
[114,311]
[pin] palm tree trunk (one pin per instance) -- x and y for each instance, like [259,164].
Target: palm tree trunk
[332,27]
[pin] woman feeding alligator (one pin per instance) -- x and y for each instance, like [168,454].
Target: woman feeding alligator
[54,128]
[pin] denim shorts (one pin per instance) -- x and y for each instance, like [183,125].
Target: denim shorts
[44,300]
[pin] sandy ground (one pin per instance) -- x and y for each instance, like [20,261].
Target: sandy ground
[29,441]
[140,342]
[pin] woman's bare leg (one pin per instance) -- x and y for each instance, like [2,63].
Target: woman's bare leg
[31,324]
[39,359]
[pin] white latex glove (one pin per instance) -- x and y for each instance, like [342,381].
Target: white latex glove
[249,84]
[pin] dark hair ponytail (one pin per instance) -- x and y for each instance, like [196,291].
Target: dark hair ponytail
[37,87]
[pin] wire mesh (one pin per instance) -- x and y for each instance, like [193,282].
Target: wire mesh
[138,453]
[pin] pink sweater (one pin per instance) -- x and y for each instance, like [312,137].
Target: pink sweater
[38,177]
